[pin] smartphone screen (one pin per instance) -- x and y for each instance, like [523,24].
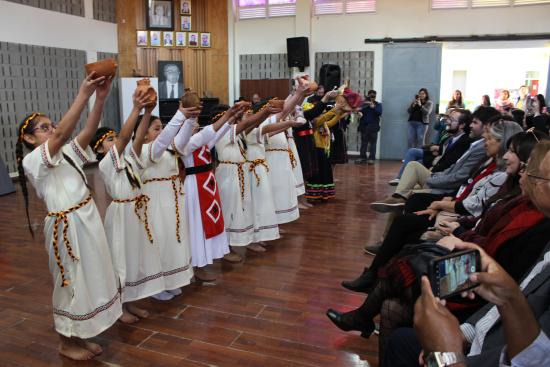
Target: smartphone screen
[451,274]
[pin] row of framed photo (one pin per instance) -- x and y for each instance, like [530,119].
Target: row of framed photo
[173,39]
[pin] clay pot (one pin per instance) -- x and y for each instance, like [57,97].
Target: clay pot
[144,86]
[343,102]
[276,103]
[190,99]
[106,68]
[312,85]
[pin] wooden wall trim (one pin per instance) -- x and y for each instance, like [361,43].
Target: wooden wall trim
[205,70]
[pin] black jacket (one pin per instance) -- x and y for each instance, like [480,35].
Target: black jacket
[453,153]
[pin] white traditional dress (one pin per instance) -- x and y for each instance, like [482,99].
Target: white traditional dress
[202,199]
[234,186]
[281,178]
[167,214]
[86,300]
[296,168]
[266,227]
[136,256]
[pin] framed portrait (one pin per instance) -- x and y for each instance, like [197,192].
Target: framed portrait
[185,23]
[168,39]
[170,74]
[205,39]
[142,38]
[193,39]
[159,14]
[185,7]
[155,38]
[181,39]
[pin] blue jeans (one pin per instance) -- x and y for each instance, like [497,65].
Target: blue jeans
[416,134]
[413,154]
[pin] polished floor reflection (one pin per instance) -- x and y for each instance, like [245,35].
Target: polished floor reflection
[267,311]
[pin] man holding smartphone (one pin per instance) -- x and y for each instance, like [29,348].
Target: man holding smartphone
[369,126]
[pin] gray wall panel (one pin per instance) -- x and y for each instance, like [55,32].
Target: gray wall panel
[35,78]
[73,7]
[104,10]
[358,67]
[111,112]
[263,66]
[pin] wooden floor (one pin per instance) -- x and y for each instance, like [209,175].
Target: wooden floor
[268,311]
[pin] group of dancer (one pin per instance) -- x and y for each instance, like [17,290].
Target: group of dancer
[157,230]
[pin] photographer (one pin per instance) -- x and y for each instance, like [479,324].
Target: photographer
[369,126]
[419,118]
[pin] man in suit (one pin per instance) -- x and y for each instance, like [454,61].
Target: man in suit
[442,156]
[172,87]
[512,329]
[447,181]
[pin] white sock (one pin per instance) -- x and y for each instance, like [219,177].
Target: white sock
[175,292]
[163,296]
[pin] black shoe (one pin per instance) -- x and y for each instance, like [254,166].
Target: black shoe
[347,322]
[361,161]
[373,248]
[365,283]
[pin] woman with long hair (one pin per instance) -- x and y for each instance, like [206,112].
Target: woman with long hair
[419,118]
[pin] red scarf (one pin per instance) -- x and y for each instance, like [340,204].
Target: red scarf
[486,172]
[516,217]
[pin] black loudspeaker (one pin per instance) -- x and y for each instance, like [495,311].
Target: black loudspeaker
[297,50]
[329,76]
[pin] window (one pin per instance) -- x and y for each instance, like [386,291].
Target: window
[463,4]
[250,9]
[322,7]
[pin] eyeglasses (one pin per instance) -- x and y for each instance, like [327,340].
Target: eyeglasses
[532,132]
[45,128]
[522,165]
[538,177]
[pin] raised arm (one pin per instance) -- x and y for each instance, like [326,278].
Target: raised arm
[85,136]
[165,138]
[141,131]
[68,122]
[279,127]
[292,101]
[251,121]
[127,129]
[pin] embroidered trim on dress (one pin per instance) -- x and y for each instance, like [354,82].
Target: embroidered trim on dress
[89,315]
[44,155]
[115,160]
[78,152]
[263,228]
[286,210]
[239,230]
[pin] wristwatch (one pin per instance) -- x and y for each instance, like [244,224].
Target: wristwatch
[444,359]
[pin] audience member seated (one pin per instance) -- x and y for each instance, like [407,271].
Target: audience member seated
[442,156]
[417,178]
[514,232]
[472,199]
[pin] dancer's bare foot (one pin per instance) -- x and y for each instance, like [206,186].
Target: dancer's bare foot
[281,231]
[127,317]
[136,311]
[255,247]
[302,206]
[204,275]
[70,348]
[92,347]
[232,258]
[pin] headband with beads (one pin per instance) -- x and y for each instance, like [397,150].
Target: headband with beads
[27,122]
[103,137]
[218,116]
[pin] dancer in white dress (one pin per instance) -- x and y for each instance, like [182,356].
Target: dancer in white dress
[202,200]
[136,257]
[266,226]
[86,300]
[162,184]
[281,178]
[296,168]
